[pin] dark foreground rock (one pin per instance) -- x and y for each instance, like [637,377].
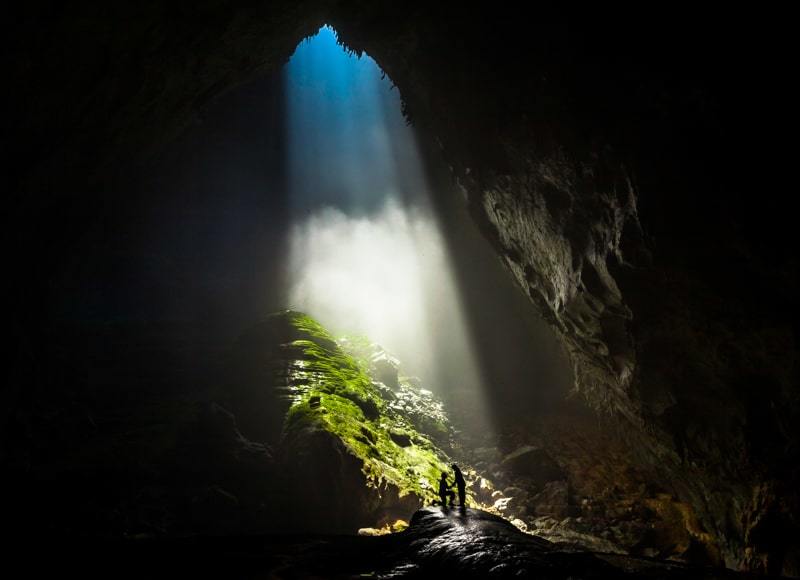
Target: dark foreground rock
[465,543]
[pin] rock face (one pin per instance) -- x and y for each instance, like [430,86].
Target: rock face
[284,432]
[472,543]
[647,270]
[457,543]
[344,425]
[352,459]
[613,182]
[532,462]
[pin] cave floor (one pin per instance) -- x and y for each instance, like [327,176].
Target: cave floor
[461,542]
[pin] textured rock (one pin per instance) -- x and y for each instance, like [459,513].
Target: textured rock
[464,543]
[352,459]
[625,244]
[533,463]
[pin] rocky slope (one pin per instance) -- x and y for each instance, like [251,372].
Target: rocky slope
[464,543]
[357,452]
[283,432]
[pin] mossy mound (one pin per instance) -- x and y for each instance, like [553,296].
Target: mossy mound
[333,390]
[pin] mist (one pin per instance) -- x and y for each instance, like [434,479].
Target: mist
[366,253]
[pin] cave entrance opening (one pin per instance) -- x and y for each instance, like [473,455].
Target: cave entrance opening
[367,255]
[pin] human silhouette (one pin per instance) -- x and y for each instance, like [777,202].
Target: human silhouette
[461,485]
[445,491]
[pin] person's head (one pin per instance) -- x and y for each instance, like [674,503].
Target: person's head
[444,475]
[454,466]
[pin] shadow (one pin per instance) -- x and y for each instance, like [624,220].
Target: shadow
[524,367]
[197,232]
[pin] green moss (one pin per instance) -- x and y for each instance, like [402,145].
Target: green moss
[350,406]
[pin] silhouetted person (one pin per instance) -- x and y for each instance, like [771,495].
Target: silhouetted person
[461,485]
[445,491]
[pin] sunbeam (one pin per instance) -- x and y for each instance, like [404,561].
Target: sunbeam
[366,253]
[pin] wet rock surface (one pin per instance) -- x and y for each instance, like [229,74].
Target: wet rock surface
[583,504]
[474,543]
[465,543]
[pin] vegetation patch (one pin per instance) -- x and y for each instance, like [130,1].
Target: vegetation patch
[333,390]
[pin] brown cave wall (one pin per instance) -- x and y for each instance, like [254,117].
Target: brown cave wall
[578,157]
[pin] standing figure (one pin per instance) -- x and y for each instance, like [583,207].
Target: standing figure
[461,485]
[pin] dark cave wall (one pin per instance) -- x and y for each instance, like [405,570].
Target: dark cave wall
[603,177]
[604,181]
[606,163]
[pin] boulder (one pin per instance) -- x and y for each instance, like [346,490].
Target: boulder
[533,463]
[384,369]
[553,500]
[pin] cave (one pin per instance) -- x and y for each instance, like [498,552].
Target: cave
[274,267]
